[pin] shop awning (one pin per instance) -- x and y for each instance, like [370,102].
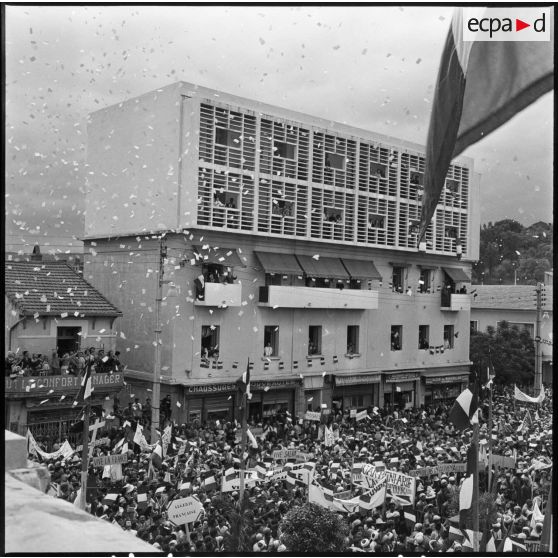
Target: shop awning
[284,264]
[357,379]
[222,256]
[361,269]
[313,382]
[457,274]
[331,268]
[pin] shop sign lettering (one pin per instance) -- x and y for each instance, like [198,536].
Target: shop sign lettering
[391,378]
[41,385]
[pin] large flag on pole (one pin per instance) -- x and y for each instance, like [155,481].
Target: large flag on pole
[85,388]
[464,409]
[480,86]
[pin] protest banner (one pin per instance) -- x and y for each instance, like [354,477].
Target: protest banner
[437,470]
[532,546]
[231,482]
[109,459]
[503,462]
[312,415]
[401,487]
[362,415]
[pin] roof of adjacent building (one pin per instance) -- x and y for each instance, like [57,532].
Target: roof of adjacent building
[53,288]
[509,297]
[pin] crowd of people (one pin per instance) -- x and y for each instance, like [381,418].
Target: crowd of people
[71,362]
[404,440]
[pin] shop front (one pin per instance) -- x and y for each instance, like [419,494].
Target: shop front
[313,392]
[272,398]
[443,388]
[357,391]
[210,402]
[400,390]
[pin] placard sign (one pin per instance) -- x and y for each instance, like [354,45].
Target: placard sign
[312,415]
[109,459]
[184,510]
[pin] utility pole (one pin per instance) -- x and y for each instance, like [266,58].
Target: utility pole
[85,441]
[157,361]
[538,360]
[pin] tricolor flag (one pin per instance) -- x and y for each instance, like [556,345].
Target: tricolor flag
[253,442]
[209,482]
[467,492]
[480,86]
[157,456]
[142,497]
[244,382]
[85,389]
[110,498]
[464,409]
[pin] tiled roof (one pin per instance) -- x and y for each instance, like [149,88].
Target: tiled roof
[509,297]
[53,288]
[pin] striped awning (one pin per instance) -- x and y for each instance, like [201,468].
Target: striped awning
[361,269]
[457,274]
[326,268]
[284,264]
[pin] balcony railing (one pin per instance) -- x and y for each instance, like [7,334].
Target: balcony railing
[221,294]
[278,296]
[455,302]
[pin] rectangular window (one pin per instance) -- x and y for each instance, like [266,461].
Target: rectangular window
[396,337]
[452,186]
[352,339]
[448,336]
[379,170]
[282,207]
[315,340]
[417,178]
[357,401]
[225,199]
[284,150]
[334,161]
[424,337]
[226,137]
[425,280]
[333,215]
[450,232]
[210,341]
[278,279]
[376,221]
[474,325]
[397,282]
[271,341]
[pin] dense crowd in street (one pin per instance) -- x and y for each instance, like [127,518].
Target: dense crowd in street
[199,455]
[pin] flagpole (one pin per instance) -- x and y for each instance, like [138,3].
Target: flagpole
[476,502]
[85,445]
[244,425]
[489,423]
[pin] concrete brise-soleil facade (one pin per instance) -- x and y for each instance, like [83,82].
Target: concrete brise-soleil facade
[304,231]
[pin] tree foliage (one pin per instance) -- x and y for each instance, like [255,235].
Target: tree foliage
[241,519]
[509,250]
[311,528]
[511,349]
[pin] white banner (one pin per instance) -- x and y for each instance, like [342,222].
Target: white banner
[520,396]
[401,487]
[232,482]
[65,450]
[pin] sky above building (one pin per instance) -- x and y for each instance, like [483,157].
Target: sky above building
[370,67]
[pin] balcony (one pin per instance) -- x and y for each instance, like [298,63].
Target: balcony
[455,302]
[277,296]
[221,294]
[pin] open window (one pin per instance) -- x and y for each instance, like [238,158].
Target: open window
[452,186]
[281,207]
[448,336]
[334,161]
[284,150]
[424,337]
[209,341]
[352,339]
[333,215]
[230,138]
[450,232]
[397,279]
[396,337]
[425,281]
[379,170]
[416,178]
[225,199]
[271,341]
[314,340]
[376,221]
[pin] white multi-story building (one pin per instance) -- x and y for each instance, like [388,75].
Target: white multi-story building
[304,231]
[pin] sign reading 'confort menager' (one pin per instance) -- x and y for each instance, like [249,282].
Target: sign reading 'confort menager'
[34,386]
